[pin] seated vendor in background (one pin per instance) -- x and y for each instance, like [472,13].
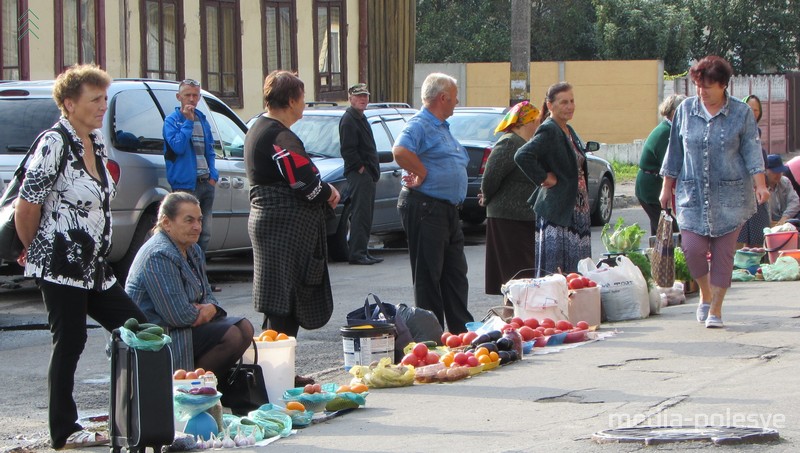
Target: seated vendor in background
[784,204]
[168,281]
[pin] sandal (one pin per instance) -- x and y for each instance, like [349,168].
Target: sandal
[84,438]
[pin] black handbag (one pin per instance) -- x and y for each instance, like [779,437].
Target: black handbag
[380,314]
[10,244]
[243,390]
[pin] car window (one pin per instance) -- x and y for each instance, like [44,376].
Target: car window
[382,140]
[320,135]
[137,122]
[22,119]
[230,130]
[395,126]
[169,102]
[475,126]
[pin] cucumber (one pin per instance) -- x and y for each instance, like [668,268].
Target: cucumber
[157,330]
[148,336]
[338,404]
[430,344]
[147,325]
[132,325]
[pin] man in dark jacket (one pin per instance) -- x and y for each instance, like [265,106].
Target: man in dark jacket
[362,170]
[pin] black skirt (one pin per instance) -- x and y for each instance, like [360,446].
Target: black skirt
[509,249]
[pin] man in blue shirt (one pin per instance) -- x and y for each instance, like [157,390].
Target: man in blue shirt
[189,153]
[434,186]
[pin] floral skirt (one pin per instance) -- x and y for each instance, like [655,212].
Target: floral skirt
[558,247]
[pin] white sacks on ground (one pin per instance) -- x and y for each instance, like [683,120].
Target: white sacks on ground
[537,297]
[623,289]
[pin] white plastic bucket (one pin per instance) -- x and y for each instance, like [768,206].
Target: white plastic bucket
[277,362]
[362,346]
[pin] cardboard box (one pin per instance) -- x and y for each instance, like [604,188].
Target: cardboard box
[584,305]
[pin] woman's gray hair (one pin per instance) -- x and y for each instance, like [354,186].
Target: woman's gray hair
[670,104]
[434,84]
[170,206]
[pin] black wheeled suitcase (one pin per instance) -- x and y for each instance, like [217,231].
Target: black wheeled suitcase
[141,413]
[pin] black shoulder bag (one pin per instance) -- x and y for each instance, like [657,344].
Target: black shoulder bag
[243,390]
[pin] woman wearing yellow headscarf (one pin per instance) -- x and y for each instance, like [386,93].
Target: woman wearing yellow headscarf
[511,223]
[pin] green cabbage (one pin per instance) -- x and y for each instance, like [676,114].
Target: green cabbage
[623,239]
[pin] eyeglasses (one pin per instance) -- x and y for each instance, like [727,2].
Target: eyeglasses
[190,82]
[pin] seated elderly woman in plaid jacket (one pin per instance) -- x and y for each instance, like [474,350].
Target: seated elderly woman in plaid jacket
[168,281]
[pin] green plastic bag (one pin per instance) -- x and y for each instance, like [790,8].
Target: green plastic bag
[135,342]
[742,275]
[784,269]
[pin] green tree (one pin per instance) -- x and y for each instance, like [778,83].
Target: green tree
[754,36]
[644,29]
[563,30]
[463,31]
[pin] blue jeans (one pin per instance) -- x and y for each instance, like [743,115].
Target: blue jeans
[204,192]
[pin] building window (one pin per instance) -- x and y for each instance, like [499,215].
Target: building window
[162,38]
[14,57]
[79,32]
[330,49]
[279,35]
[222,50]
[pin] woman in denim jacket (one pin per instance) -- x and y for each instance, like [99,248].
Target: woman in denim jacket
[712,163]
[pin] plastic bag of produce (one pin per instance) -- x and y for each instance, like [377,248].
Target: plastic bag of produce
[273,422]
[746,259]
[537,297]
[299,418]
[784,269]
[143,340]
[244,425]
[742,275]
[623,289]
[187,405]
[384,374]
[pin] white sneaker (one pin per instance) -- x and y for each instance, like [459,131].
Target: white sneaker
[714,322]
[702,311]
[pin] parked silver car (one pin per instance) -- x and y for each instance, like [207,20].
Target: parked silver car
[319,131]
[132,129]
[474,128]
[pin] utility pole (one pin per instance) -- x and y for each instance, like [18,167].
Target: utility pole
[520,51]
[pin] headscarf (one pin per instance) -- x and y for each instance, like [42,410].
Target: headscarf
[522,113]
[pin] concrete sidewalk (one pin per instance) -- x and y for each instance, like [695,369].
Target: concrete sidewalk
[663,370]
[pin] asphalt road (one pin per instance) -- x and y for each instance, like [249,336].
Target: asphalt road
[24,350]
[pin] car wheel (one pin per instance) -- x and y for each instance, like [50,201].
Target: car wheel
[144,230]
[605,203]
[338,250]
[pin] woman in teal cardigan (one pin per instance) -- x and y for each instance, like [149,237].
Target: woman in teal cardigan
[554,160]
[510,221]
[648,181]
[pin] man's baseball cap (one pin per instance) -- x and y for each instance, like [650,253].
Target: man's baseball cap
[359,88]
[775,163]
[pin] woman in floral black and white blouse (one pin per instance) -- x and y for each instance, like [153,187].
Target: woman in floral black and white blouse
[64,221]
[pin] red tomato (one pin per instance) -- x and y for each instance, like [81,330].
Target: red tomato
[585,282]
[557,331]
[432,358]
[549,331]
[445,336]
[592,284]
[583,325]
[420,350]
[540,329]
[472,361]
[468,337]
[410,359]
[576,283]
[538,333]
[515,325]
[572,276]
[532,323]
[453,341]
[517,320]
[547,322]
[564,325]
[460,358]
[526,333]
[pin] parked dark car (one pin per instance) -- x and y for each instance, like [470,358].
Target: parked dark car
[319,131]
[132,129]
[474,128]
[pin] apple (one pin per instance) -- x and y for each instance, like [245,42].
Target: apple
[460,358]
